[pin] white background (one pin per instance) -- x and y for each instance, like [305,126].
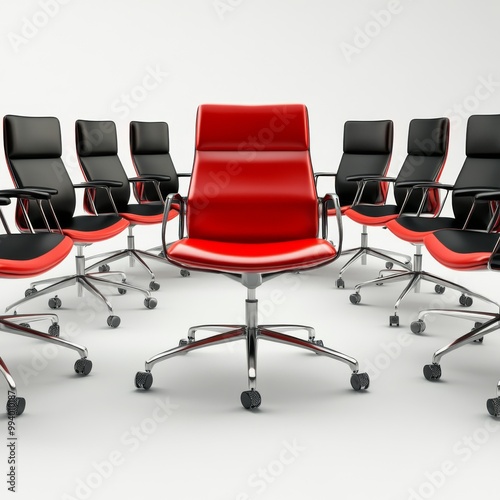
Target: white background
[344,60]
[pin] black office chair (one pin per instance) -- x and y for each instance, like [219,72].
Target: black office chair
[26,255]
[150,152]
[97,149]
[33,151]
[479,171]
[427,150]
[367,152]
[466,250]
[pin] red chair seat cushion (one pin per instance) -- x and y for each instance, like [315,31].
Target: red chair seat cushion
[25,255]
[373,215]
[415,229]
[90,229]
[251,258]
[464,250]
[146,213]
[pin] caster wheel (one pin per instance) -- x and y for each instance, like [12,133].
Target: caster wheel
[340,283]
[355,298]
[26,325]
[104,268]
[30,291]
[150,302]
[154,286]
[417,326]
[185,273]
[389,265]
[114,321]
[83,366]
[360,381]
[16,406]
[55,302]
[439,289]
[184,342]
[432,372]
[394,320]
[54,330]
[250,399]
[143,380]
[465,301]
[493,406]
[122,291]
[480,340]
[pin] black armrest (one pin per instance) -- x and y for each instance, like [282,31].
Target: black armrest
[150,177]
[4,201]
[438,185]
[25,193]
[410,184]
[368,177]
[488,196]
[50,190]
[97,184]
[325,174]
[473,191]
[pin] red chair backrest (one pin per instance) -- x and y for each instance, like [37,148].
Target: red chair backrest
[252,177]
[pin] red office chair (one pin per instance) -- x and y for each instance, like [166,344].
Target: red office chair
[252,214]
[26,255]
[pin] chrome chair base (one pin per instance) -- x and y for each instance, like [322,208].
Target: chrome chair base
[415,277]
[251,332]
[134,255]
[87,281]
[364,250]
[20,325]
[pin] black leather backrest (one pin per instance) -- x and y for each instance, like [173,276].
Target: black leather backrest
[427,149]
[481,167]
[367,150]
[150,150]
[97,149]
[33,152]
